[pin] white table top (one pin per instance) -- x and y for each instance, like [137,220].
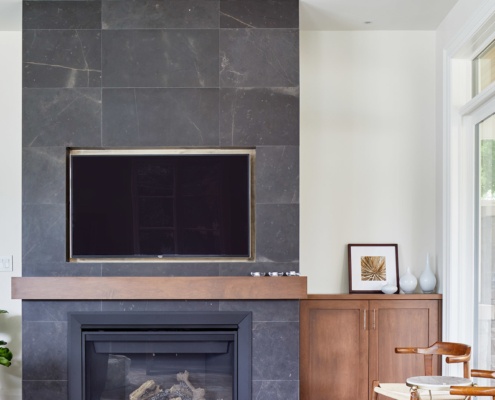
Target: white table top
[437,382]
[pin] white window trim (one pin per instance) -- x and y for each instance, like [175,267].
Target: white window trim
[460,118]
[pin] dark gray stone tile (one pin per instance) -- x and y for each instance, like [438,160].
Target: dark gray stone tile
[44,350]
[277,232]
[61,58]
[266,311]
[36,268]
[259,14]
[61,15]
[156,14]
[187,305]
[160,58]
[160,305]
[126,305]
[61,117]
[50,311]
[44,390]
[275,350]
[259,58]
[263,116]
[43,175]
[277,174]
[245,269]
[160,269]
[43,233]
[276,390]
[160,117]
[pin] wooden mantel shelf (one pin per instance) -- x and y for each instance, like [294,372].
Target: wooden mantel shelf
[159,288]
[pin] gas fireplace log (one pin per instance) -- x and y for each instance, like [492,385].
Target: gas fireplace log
[198,394]
[184,390]
[147,390]
[162,396]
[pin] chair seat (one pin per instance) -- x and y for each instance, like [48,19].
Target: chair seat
[401,391]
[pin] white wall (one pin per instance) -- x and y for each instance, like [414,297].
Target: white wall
[367,149]
[10,187]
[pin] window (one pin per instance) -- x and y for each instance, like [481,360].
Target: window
[469,188]
[485,132]
[484,69]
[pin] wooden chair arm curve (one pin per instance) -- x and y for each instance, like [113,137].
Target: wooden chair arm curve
[457,359]
[406,350]
[472,390]
[481,373]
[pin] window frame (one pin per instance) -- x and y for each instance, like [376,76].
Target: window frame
[462,113]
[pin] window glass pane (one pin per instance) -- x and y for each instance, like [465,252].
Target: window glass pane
[486,241]
[484,69]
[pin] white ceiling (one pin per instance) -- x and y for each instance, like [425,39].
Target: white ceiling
[326,14]
[346,15]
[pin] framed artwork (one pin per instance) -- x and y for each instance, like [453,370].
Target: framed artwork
[372,266]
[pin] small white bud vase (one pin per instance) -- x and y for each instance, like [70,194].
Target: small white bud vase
[408,282]
[389,289]
[427,279]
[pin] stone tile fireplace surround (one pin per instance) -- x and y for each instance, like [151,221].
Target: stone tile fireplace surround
[160,73]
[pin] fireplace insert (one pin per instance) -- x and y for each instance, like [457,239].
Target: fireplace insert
[160,356]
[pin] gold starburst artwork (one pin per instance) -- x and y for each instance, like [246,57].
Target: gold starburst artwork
[373,268]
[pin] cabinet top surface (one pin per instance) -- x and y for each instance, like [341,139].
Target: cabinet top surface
[374,296]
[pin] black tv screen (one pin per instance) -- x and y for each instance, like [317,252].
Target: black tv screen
[160,204]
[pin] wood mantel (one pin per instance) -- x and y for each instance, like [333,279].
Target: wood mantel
[159,288]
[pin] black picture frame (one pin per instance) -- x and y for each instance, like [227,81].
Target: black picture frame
[372,266]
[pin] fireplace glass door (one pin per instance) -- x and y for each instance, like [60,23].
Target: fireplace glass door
[160,355]
[162,365]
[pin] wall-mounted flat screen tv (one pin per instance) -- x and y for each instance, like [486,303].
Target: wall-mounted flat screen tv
[160,204]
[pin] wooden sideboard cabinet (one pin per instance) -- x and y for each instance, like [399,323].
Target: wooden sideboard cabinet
[348,341]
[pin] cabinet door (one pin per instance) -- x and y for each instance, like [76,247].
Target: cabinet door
[334,350]
[401,323]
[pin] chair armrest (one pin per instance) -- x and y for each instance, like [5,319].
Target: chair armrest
[481,373]
[406,350]
[472,390]
[457,359]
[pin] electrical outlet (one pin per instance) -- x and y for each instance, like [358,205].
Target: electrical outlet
[5,263]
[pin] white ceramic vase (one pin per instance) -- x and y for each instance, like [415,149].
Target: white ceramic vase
[408,282]
[427,279]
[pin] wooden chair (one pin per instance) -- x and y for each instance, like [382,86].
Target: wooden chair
[476,390]
[454,353]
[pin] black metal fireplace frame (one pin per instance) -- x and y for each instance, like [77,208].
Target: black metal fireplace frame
[80,323]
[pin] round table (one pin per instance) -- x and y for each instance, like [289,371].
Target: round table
[435,383]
